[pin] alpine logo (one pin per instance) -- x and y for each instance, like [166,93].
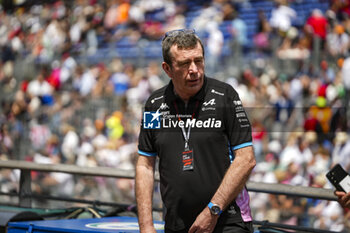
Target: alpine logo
[210,102]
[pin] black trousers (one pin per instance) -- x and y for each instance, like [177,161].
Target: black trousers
[239,227]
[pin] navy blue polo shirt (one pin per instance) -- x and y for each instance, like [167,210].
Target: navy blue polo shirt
[219,126]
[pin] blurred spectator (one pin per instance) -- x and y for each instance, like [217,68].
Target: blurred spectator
[282,16]
[6,143]
[261,39]
[40,88]
[85,80]
[62,184]
[39,132]
[341,150]
[117,13]
[120,81]
[345,74]
[322,113]
[258,135]
[293,47]
[319,164]
[70,143]
[316,26]
[239,39]
[296,152]
[331,217]
[215,44]
[209,13]
[176,22]
[338,42]
[327,74]
[67,69]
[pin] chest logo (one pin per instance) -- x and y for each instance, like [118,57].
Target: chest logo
[210,102]
[163,106]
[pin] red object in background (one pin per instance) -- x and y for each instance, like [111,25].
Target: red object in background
[54,78]
[319,25]
[310,124]
[15,32]
[24,85]
[322,90]
[258,131]
[93,2]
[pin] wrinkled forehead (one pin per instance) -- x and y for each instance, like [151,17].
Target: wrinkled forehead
[181,53]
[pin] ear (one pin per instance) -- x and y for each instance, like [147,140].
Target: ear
[166,67]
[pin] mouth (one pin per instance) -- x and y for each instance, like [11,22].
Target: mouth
[193,81]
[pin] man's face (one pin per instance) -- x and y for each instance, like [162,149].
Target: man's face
[186,70]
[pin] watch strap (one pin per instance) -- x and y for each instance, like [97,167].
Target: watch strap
[211,204]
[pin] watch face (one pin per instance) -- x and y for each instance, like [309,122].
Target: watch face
[215,210]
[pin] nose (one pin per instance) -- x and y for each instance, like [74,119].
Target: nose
[193,68]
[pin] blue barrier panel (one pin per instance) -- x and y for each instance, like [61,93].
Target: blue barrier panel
[102,225]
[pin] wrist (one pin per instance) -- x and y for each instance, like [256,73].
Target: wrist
[147,228]
[214,209]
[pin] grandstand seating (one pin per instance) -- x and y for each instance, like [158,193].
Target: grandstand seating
[125,48]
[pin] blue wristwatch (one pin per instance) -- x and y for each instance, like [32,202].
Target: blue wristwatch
[214,209]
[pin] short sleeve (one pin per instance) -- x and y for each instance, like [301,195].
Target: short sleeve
[237,122]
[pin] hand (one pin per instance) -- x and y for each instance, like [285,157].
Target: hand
[205,222]
[343,198]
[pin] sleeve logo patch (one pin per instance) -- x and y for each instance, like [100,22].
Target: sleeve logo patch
[237,102]
[241,114]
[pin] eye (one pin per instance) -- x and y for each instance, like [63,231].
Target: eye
[198,61]
[184,64]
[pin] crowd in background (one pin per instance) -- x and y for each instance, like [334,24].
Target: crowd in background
[56,108]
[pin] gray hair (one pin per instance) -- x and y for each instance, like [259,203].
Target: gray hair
[184,39]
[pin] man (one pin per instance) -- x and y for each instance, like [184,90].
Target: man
[200,132]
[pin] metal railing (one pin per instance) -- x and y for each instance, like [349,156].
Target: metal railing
[25,194]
